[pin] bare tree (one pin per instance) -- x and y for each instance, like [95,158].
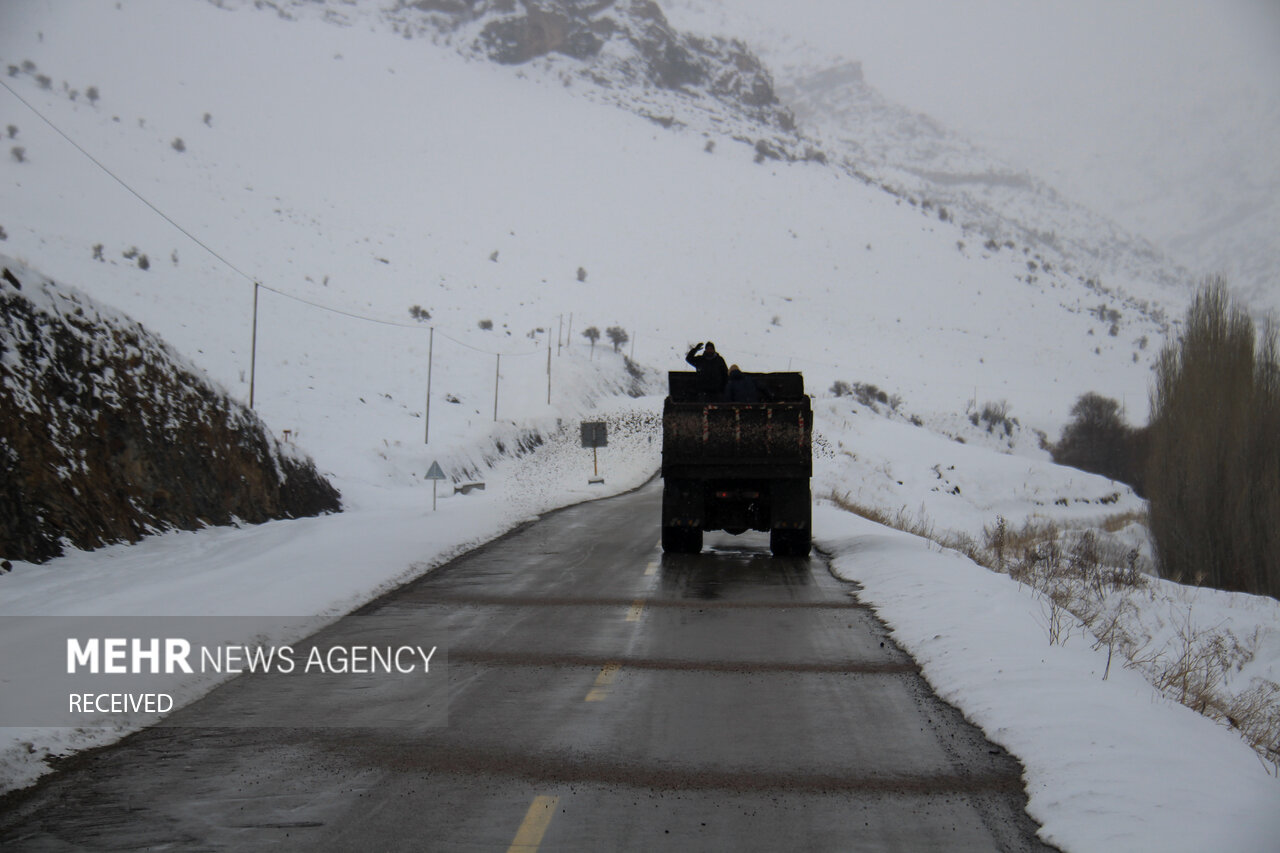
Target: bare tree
[1213,474]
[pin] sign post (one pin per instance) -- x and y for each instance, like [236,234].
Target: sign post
[595,434]
[435,475]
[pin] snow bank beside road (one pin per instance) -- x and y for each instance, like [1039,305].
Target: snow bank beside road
[1110,764]
[300,575]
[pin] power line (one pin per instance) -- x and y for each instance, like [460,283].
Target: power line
[489,352]
[193,238]
[333,310]
[413,326]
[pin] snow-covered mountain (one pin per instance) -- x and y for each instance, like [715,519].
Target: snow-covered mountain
[1157,114]
[341,162]
[397,219]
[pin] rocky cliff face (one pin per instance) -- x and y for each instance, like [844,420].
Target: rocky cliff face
[641,39]
[623,52]
[615,42]
[107,435]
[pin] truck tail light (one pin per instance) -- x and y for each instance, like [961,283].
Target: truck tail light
[740,495]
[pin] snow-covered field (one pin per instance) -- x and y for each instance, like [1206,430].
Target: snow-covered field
[366,173]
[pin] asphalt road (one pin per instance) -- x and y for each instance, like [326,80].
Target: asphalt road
[600,696]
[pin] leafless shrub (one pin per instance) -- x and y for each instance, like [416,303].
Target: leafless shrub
[997,538]
[1195,664]
[1256,714]
[997,415]
[1058,620]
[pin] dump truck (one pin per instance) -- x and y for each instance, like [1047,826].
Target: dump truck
[737,466]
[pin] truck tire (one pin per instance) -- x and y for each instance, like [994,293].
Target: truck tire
[681,540]
[791,543]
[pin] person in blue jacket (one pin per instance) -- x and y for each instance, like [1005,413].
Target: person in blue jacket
[741,388]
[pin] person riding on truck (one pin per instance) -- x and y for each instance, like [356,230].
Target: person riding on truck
[713,375]
[742,388]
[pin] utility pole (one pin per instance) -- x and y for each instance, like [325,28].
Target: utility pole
[253,351]
[431,346]
[497,374]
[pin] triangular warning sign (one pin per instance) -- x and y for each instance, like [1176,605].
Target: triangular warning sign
[435,473]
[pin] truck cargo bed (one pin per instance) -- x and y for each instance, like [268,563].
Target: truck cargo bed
[737,466]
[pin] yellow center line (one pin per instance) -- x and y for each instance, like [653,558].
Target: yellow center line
[651,569]
[637,608]
[608,673]
[534,826]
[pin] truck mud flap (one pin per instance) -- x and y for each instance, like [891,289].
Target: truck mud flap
[792,505]
[682,504]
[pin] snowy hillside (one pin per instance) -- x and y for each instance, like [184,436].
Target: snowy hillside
[1157,114]
[381,173]
[403,213]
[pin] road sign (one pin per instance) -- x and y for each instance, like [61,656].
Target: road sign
[595,434]
[435,474]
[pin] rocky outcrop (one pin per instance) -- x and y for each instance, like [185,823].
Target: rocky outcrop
[107,435]
[625,51]
[618,42]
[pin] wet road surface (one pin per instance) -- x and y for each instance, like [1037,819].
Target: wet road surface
[600,696]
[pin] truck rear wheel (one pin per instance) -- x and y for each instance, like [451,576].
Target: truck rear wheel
[790,543]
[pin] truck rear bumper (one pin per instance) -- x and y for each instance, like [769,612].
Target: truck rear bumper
[736,505]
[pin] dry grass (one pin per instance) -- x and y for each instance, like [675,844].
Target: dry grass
[1118,521]
[1093,585]
[916,525]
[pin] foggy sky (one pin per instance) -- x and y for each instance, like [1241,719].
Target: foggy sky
[1162,114]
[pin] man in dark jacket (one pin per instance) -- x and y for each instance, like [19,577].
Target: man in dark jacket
[712,372]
